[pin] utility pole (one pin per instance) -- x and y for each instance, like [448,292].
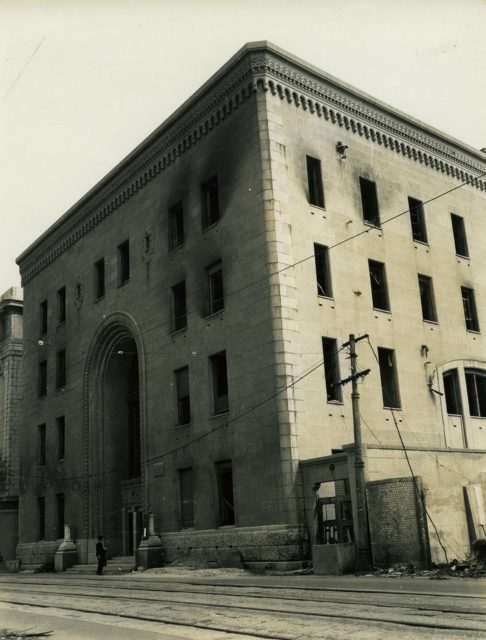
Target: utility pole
[362,542]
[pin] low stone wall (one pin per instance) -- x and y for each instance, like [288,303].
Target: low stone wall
[37,555]
[276,543]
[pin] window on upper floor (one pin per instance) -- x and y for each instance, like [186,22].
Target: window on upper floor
[427,298]
[186,492]
[99,278]
[459,232]
[210,202]
[389,378]
[369,202]
[61,369]
[417,219]
[314,181]
[61,437]
[123,262]
[42,389]
[176,226]
[470,313]
[476,392]
[215,287]
[43,318]
[379,288]
[323,270]
[42,445]
[220,382]
[224,475]
[452,392]
[179,306]
[183,397]
[61,305]
[331,369]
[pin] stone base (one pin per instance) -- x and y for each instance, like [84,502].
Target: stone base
[150,553]
[333,559]
[65,558]
[37,556]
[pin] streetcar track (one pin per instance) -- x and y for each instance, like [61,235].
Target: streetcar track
[138,598]
[360,618]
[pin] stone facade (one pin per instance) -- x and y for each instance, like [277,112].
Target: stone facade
[10,407]
[119,343]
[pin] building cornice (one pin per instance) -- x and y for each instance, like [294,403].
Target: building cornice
[256,67]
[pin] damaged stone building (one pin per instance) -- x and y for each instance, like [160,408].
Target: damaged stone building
[190,316]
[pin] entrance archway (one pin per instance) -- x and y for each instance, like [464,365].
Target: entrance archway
[113,443]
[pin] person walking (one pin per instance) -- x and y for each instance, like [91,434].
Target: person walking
[100,555]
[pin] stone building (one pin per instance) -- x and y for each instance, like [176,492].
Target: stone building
[185,305]
[10,399]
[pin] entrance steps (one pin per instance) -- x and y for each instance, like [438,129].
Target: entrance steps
[115,566]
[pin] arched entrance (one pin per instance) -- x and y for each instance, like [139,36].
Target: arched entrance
[113,416]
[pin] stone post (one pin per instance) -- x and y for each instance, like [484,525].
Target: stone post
[67,554]
[149,552]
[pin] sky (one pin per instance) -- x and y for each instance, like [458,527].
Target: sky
[82,82]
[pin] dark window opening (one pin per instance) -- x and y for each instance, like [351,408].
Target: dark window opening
[452,392]
[43,378]
[42,445]
[176,226]
[124,262]
[224,473]
[331,369]
[61,305]
[220,383]
[379,289]
[388,376]
[43,318]
[183,397]
[186,488]
[323,271]
[314,179]
[41,518]
[460,239]
[476,392]
[417,219]
[470,313]
[61,437]
[134,462]
[369,201]
[60,515]
[179,308]
[215,288]
[100,278]
[210,202]
[60,369]
[427,298]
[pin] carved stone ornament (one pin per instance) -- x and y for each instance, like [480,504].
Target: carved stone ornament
[148,245]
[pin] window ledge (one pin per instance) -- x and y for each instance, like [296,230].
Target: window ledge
[336,403]
[316,206]
[372,225]
[321,297]
[214,315]
[478,417]
[99,299]
[122,284]
[459,255]
[219,415]
[475,331]
[212,225]
[176,250]
[421,242]
[393,408]
[226,526]
[182,426]
[382,310]
[178,332]
[435,322]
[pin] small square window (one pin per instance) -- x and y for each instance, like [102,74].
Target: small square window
[176,226]
[220,383]
[379,289]
[460,239]
[99,271]
[183,397]
[323,271]
[427,298]
[389,379]
[417,220]
[210,202]
[61,305]
[470,313]
[215,288]
[123,262]
[314,180]
[369,202]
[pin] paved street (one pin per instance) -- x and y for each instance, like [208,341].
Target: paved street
[239,607]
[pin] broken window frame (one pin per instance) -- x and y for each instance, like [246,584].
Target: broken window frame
[211,213]
[323,270]
[183,396]
[427,299]
[470,311]
[226,505]
[417,220]
[459,234]
[176,237]
[369,202]
[215,287]
[379,287]
[219,378]
[476,391]
[179,306]
[332,374]
[314,182]
[389,378]
[452,392]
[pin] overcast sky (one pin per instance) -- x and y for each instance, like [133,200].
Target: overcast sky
[83,82]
